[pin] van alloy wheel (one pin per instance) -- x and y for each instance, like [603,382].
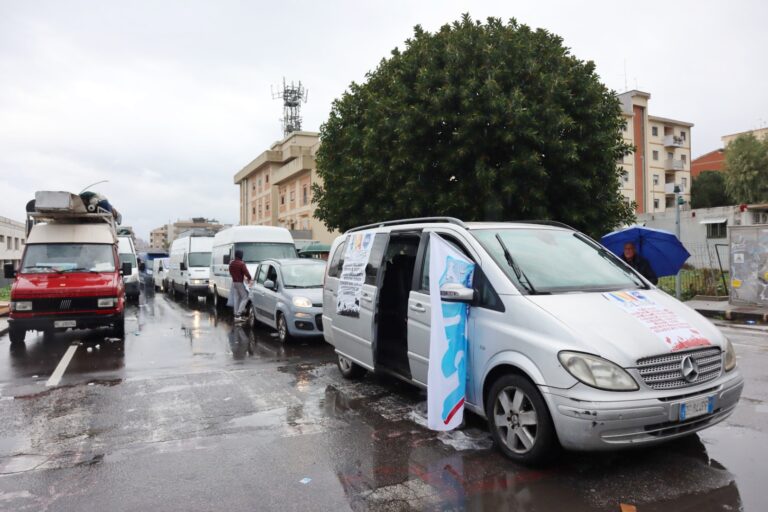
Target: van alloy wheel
[348,369]
[514,415]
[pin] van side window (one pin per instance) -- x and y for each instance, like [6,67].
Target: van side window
[334,267]
[375,258]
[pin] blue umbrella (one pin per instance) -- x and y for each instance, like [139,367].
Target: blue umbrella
[662,249]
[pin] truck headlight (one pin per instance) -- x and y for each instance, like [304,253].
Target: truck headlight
[302,302]
[597,372]
[730,356]
[108,302]
[24,305]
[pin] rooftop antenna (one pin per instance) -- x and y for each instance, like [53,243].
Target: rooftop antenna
[293,95]
[626,87]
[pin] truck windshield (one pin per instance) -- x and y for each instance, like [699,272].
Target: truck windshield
[253,252]
[303,276]
[199,259]
[43,258]
[555,261]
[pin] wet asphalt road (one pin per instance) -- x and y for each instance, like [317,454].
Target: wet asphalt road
[191,413]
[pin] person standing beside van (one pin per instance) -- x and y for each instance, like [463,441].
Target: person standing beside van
[240,275]
[637,262]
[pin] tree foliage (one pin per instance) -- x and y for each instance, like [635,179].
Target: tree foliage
[491,121]
[746,166]
[708,190]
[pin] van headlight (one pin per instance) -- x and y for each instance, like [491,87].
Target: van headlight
[108,302]
[730,356]
[597,372]
[302,302]
[21,305]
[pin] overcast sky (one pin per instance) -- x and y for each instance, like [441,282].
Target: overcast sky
[168,100]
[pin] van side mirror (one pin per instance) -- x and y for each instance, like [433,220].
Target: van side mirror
[182,266]
[8,271]
[126,268]
[227,258]
[270,285]
[455,292]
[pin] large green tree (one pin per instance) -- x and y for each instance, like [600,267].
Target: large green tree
[482,121]
[746,166]
[708,190]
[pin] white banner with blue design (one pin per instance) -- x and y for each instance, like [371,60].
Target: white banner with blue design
[447,374]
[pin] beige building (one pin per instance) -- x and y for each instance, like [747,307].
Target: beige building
[276,188]
[12,239]
[162,236]
[760,134]
[662,159]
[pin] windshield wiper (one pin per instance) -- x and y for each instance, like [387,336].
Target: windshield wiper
[77,269]
[518,271]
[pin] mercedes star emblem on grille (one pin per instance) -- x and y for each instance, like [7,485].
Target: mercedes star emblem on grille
[689,368]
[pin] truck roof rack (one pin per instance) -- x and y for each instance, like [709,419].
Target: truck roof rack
[401,222]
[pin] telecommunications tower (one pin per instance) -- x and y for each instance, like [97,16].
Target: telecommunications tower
[293,95]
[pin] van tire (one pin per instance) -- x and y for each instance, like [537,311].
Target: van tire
[216,299]
[17,336]
[348,369]
[545,443]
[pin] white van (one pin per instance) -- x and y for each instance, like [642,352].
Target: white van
[127,254]
[160,273]
[190,266]
[567,346]
[257,243]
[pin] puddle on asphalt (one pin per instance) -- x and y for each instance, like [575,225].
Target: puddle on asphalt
[20,463]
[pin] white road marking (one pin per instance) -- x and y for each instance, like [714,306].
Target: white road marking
[58,373]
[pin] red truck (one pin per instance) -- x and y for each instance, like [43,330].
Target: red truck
[70,275]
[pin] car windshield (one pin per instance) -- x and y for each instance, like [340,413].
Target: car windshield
[303,275]
[254,252]
[42,258]
[199,259]
[555,261]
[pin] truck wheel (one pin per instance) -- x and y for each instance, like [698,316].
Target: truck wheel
[348,369]
[519,421]
[118,328]
[17,335]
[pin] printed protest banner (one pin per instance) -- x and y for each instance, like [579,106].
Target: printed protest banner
[352,276]
[447,373]
[676,333]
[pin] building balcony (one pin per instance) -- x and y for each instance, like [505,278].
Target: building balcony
[673,141]
[674,164]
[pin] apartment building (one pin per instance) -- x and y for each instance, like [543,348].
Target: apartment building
[276,188]
[662,159]
[161,237]
[12,239]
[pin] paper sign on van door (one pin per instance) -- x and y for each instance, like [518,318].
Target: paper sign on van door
[675,332]
[352,277]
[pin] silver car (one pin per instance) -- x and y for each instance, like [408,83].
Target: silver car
[287,295]
[553,360]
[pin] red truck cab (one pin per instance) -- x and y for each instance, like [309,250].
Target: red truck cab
[70,277]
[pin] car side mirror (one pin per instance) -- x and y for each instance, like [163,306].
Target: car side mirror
[455,292]
[8,271]
[126,268]
[270,285]
[182,266]
[227,259]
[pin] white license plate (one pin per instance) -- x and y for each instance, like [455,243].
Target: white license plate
[696,407]
[64,323]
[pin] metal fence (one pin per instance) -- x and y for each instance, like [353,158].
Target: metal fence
[703,273]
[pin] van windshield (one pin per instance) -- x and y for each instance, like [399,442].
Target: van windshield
[254,252]
[199,259]
[44,258]
[555,261]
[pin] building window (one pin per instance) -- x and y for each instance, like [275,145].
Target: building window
[670,155]
[716,230]
[16,243]
[253,210]
[683,158]
[2,238]
[655,131]
[655,179]
[293,195]
[655,204]
[266,205]
[625,176]
[682,135]
[305,195]
[683,184]
[655,155]
[266,178]
[282,199]
[9,245]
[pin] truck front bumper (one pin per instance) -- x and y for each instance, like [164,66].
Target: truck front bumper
[49,322]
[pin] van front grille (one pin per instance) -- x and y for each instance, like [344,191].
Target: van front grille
[666,371]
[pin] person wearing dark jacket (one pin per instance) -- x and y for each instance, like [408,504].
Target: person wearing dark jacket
[239,272]
[638,263]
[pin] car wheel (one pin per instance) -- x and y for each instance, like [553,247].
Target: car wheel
[17,336]
[252,320]
[520,422]
[187,297]
[283,334]
[348,369]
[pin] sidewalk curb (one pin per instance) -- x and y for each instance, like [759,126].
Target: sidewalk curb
[753,328]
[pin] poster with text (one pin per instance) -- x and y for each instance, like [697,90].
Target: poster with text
[352,276]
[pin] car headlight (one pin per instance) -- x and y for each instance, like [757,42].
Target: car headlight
[24,305]
[302,302]
[597,372]
[730,356]
[108,302]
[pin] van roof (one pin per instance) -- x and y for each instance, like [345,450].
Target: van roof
[71,233]
[237,234]
[450,221]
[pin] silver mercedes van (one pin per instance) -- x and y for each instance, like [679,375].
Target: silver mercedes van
[555,358]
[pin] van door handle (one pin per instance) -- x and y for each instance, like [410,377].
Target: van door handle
[417,308]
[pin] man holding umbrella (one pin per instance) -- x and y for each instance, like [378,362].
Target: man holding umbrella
[638,263]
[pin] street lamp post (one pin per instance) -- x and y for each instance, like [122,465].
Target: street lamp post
[678,201]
